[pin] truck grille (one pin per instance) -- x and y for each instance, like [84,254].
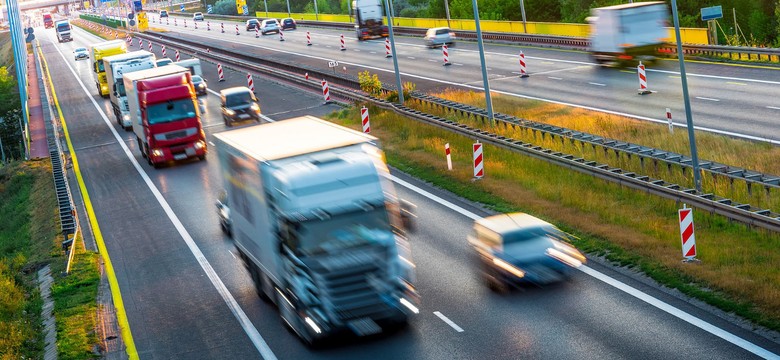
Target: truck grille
[178,134]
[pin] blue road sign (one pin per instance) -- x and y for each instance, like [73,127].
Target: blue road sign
[209,9]
[711,13]
[245,9]
[138,6]
[181,7]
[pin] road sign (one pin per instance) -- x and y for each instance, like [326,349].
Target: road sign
[687,233]
[137,5]
[333,63]
[30,37]
[245,10]
[711,13]
[209,9]
[143,21]
[181,7]
[131,22]
[240,6]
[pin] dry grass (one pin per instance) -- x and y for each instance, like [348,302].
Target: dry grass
[741,263]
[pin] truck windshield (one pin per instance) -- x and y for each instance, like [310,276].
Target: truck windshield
[344,231]
[63,27]
[120,88]
[238,99]
[171,111]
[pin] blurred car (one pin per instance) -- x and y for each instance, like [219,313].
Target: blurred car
[200,85]
[439,36]
[223,212]
[289,23]
[163,13]
[163,62]
[198,16]
[81,53]
[519,248]
[268,26]
[239,104]
[252,24]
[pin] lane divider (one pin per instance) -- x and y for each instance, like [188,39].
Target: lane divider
[121,314]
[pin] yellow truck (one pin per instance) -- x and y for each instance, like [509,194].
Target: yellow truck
[96,53]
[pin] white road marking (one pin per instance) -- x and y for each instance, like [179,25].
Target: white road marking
[448,321]
[597,84]
[410,58]
[559,70]
[432,60]
[554,78]
[254,336]
[701,324]
[233,255]
[457,64]
[211,143]
[773,107]
[735,83]
[373,52]
[706,98]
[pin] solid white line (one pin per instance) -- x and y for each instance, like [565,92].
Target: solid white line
[457,64]
[233,255]
[597,84]
[211,143]
[712,329]
[238,312]
[773,107]
[554,78]
[448,321]
[432,60]
[705,98]
[410,58]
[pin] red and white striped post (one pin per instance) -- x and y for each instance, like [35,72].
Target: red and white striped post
[129,39]
[306,76]
[150,46]
[257,32]
[237,33]
[669,119]
[250,83]
[325,91]
[220,73]
[140,43]
[175,23]
[185,23]
[449,158]
[523,72]
[365,120]
[163,51]
[343,44]
[167,21]
[388,54]
[446,53]
[687,233]
[281,35]
[177,55]
[308,39]
[222,25]
[642,80]
[479,170]
[208,26]
[195,24]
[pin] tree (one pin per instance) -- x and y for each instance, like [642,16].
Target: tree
[225,7]
[10,114]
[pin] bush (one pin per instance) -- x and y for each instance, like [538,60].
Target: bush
[225,7]
[370,83]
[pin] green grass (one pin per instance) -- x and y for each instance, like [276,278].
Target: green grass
[738,272]
[75,307]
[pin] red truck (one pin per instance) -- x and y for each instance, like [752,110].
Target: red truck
[48,22]
[165,114]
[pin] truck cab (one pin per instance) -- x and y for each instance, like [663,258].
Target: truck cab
[62,27]
[97,52]
[48,22]
[116,66]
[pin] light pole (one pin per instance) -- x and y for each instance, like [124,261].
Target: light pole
[395,58]
[485,80]
[316,15]
[447,10]
[687,100]
[289,14]
[522,10]
[265,4]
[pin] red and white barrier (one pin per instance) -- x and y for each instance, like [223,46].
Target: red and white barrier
[257,32]
[523,72]
[306,76]
[669,119]
[365,120]
[185,23]
[175,23]
[281,35]
[387,48]
[167,21]
[250,83]
[177,55]
[195,25]
[325,91]
[163,51]
[308,39]
[343,44]
[449,159]
[237,33]
[220,73]
[222,25]
[150,47]
[479,170]
[687,233]
[129,39]
[446,53]
[140,43]
[642,80]
[208,26]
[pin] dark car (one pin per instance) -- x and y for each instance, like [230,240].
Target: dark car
[223,212]
[289,23]
[518,248]
[200,85]
[163,13]
[252,24]
[239,104]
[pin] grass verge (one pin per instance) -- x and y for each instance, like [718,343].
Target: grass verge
[75,307]
[738,272]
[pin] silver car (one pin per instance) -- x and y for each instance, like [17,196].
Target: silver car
[268,26]
[438,36]
[198,16]
[81,53]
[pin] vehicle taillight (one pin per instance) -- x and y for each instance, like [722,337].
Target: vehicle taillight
[625,57]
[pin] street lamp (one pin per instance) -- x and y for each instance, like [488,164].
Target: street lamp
[447,10]
[522,10]
[485,81]
[395,58]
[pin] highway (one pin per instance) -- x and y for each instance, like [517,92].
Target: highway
[734,100]
[187,296]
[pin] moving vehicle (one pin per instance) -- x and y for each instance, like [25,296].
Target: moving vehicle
[193,65]
[439,36]
[252,24]
[164,61]
[368,19]
[97,52]
[62,27]
[238,104]
[198,16]
[289,23]
[48,22]
[163,13]
[165,114]
[269,26]
[629,32]
[200,85]
[518,248]
[81,53]
[316,222]
[117,66]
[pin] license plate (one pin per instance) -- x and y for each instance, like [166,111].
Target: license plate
[364,326]
[243,116]
[180,156]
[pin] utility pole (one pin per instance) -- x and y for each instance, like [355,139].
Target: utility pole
[485,81]
[522,10]
[447,10]
[398,83]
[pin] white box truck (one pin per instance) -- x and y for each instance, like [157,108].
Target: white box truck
[368,19]
[317,223]
[629,32]
[115,66]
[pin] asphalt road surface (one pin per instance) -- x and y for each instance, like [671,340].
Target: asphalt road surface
[188,296]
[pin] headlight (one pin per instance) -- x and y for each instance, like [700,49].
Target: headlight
[230,112]
[157,152]
[200,145]
[126,117]
[201,86]
[255,107]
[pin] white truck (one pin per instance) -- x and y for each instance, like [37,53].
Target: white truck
[116,66]
[317,223]
[62,27]
[629,32]
[368,19]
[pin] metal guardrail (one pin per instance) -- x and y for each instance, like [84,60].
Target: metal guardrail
[745,213]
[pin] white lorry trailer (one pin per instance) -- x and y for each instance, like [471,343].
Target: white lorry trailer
[115,66]
[629,32]
[368,19]
[316,221]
